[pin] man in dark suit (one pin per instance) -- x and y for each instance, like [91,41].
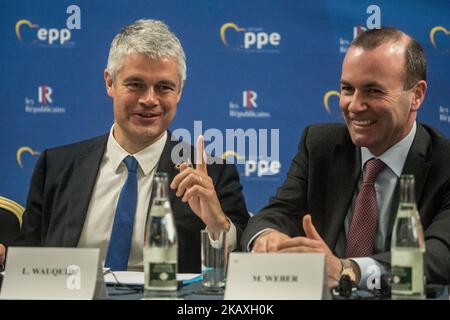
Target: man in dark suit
[383,84]
[75,189]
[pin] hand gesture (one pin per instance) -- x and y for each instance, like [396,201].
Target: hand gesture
[269,241]
[197,189]
[313,242]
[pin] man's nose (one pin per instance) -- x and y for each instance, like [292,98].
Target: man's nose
[357,102]
[149,97]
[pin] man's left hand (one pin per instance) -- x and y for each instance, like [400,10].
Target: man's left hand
[197,188]
[314,243]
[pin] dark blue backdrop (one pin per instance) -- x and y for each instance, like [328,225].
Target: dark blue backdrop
[52,89]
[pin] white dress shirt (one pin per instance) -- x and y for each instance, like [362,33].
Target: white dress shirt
[102,207]
[385,183]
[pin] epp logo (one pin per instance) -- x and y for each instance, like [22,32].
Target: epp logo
[433,32]
[253,37]
[52,36]
[22,150]
[25,22]
[225,27]
[326,99]
[49,36]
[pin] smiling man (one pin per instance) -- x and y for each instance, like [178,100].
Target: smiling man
[379,97]
[75,189]
[319,208]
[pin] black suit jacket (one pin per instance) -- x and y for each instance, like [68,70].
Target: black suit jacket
[322,180]
[62,185]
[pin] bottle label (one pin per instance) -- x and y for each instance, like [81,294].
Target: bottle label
[401,278]
[162,275]
[158,211]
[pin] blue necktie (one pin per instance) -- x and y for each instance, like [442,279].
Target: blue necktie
[120,242]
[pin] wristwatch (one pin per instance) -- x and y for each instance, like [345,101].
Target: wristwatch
[347,269]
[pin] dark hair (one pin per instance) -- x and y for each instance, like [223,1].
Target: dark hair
[415,62]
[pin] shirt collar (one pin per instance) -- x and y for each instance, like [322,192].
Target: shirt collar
[147,158]
[395,156]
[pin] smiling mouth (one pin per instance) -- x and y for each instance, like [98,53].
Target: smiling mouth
[363,123]
[148,115]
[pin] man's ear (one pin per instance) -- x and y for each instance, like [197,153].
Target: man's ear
[418,94]
[108,83]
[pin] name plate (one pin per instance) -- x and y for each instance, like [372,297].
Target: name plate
[50,273]
[276,276]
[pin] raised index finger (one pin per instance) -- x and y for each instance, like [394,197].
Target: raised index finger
[200,152]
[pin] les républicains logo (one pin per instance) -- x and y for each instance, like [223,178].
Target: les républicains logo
[249,107]
[44,102]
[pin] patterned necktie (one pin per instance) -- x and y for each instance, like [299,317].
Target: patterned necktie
[120,242]
[363,227]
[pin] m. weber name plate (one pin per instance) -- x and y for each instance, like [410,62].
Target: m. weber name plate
[276,276]
[50,273]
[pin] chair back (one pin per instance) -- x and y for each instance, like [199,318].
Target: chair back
[10,220]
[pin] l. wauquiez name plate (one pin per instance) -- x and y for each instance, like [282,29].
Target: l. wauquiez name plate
[50,273]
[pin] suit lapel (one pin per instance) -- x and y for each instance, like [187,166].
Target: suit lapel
[416,165]
[342,181]
[84,175]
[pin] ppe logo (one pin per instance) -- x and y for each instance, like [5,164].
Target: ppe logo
[326,99]
[249,39]
[21,154]
[261,168]
[442,34]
